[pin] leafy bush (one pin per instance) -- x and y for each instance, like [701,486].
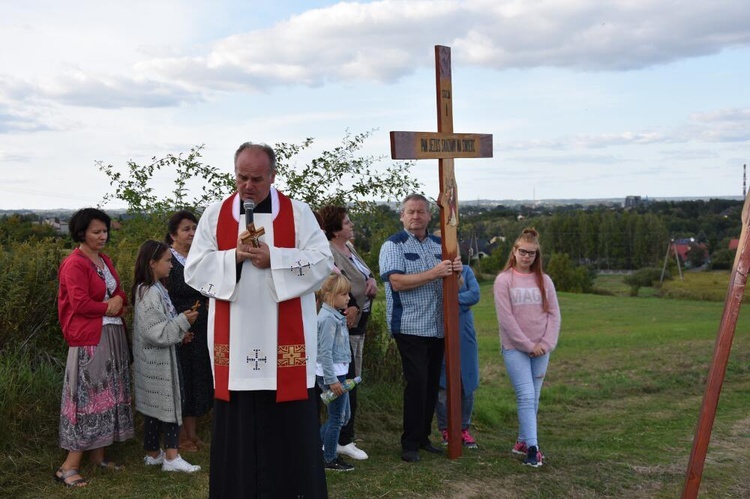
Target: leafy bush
[643,278]
[568,276]
[723,259]
[381,360]
[495,261]
[28,285]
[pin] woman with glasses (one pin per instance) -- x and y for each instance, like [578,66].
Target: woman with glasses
[529,317]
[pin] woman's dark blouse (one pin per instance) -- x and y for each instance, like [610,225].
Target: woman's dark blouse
[197,380]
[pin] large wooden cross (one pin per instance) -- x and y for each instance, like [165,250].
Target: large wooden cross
[445,146]
[722,347]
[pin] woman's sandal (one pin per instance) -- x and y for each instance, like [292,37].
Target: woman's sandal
[110,465]
[64,475]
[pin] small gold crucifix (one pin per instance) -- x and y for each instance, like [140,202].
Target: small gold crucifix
[253,238]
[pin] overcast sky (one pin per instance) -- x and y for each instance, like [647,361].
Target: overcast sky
[584,98]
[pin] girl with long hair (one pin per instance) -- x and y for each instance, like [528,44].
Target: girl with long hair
[157,329]
[529,318]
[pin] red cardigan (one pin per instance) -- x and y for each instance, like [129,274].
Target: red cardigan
[80,298]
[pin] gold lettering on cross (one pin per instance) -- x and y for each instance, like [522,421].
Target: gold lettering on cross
[253,238]
[291,355]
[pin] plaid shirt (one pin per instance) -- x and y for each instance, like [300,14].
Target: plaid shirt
[419,311]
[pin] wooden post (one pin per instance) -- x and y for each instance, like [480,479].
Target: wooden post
[723,345]
[445,146]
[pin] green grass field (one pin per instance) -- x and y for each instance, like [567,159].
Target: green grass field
[616,419]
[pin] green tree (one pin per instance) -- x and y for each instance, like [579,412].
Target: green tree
[643,278]
[723,259]
[136,185]
[567,276]
[342,176]
[18,228]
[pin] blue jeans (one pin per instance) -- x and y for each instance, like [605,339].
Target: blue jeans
[441,409]
[338,416]
[526,375]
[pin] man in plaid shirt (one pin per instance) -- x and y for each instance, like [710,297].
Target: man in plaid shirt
[412,268]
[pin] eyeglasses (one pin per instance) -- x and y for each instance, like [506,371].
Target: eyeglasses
[524,252]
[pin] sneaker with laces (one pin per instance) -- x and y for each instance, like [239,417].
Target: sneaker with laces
[468,440]
[352,451]
[520,448]
[179,464]
[338,464]
[533,457]
[151,461]
[444,441]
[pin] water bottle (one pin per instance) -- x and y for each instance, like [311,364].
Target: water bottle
[328,395]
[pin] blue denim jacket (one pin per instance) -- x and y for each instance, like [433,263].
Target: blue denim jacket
[333,341]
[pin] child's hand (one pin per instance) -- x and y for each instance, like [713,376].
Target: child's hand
[538,351]
[191,315]
[337,388]
[188,337]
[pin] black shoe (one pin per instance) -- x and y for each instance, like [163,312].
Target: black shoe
[533,457]
[338,464]
[410,456]
[431,448]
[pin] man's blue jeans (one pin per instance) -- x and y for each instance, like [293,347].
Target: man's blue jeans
[526,375]
[338,416]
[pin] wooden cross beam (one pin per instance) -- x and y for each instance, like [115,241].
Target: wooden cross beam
[445,146]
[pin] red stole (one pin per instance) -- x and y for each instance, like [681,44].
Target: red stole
[291,370]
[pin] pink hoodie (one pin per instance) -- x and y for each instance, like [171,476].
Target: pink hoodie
[518,303]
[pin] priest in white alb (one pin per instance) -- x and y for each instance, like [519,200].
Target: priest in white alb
[262,334]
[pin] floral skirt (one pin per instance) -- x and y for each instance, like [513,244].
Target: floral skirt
[96,399]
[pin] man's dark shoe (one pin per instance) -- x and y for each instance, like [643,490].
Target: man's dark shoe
[338,464]
[431,448]
[410,456]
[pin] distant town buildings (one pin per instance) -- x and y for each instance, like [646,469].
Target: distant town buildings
[634,202]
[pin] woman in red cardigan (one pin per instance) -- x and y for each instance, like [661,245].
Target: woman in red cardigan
[96,399]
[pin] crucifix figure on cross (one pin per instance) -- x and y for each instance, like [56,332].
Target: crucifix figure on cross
[445,146]
[253,237]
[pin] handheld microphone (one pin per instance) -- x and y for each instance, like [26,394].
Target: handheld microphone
[249,205]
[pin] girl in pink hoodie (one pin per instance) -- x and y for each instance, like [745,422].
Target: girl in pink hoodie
[529,318]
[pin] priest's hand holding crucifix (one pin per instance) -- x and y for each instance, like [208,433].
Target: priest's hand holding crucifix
[260,257]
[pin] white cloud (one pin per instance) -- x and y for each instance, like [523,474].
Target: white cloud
[385,41]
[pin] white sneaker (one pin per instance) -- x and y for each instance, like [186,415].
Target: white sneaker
[151,461]
[352,451]
[179,464]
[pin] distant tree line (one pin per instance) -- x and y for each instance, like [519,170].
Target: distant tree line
[606,237]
